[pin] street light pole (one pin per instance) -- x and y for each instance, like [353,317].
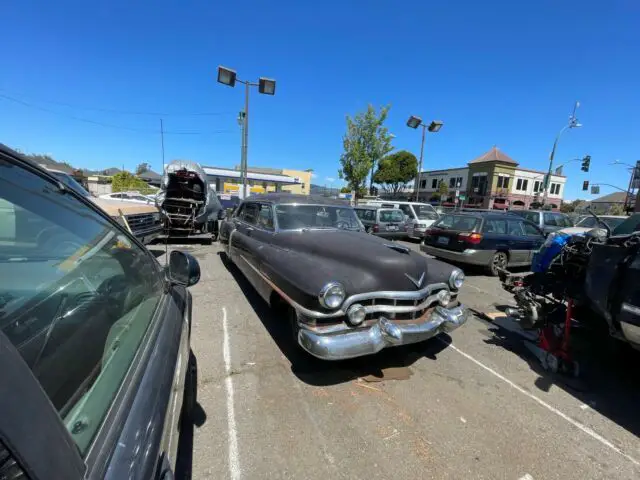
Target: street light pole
[573,123]
[435,126]
[267,86]
[424,131]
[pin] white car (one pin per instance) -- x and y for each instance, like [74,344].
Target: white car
[420,216]
[135,197]
[589,223]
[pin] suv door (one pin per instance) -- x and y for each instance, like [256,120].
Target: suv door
[535,238]
[520,243]
[494,237]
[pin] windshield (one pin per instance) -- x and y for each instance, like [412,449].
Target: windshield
[70,182]
[591,222]
[425,212]
[630,225]
[291,217]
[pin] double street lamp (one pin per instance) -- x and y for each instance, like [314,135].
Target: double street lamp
[267,86]
[435,126]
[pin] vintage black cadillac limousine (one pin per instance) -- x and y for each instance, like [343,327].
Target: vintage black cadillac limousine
[348,293]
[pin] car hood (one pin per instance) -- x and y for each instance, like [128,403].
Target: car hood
[363,262]
[574,230]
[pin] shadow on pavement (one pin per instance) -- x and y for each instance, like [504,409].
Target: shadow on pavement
[318,372]
[184,460]
[609,379]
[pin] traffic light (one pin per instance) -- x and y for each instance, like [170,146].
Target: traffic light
[585,185]
[586,161]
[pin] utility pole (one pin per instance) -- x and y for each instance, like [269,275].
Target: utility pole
[162,143]
[424,131]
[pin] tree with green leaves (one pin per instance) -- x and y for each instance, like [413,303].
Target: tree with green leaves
[396,170]
[616,209]
[142,168]
[366,141]
[124,181]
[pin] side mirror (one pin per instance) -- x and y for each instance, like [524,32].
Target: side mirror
[184,269]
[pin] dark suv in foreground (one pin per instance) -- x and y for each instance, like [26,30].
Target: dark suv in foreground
[492,240]
[94,338]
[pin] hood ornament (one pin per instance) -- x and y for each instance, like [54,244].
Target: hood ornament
[418,282]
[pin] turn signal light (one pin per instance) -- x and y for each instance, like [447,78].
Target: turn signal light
[469,237]
[376,228]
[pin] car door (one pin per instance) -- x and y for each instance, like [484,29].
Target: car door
[520,244]
[259,241]
[535,238]
[494,236]
[240,240]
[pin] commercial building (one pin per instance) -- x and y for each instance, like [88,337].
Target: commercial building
[260,180]
[491,181]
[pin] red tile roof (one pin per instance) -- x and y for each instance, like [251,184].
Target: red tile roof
[494,155]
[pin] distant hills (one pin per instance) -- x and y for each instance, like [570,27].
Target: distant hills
[49,162]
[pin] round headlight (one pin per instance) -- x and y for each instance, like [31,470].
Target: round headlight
[332,295]
[356,314]
[444,297]
[456,279]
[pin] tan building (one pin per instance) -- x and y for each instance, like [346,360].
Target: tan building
[260,180]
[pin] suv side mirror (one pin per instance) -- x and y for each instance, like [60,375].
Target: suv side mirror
[184,269]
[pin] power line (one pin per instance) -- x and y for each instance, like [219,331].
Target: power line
[127,112]
[102,124]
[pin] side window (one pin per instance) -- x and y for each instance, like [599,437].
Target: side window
[551,220]
[370,215]
[359,213]
[265,216]
[250,213]
[495,226]
[76,297]
[530,229]
[563,220]
[238,212]
[406,209]
[446,221]
[516,228]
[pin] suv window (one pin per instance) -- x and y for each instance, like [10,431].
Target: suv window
[369,215]
[76,297]
[516,228]
[530,229]
[494,226]
[630,225]
[457,222]
[406,209]
[533,217]
[551,220]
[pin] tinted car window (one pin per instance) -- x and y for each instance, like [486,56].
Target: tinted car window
[76,297]
[391,216]
[370,215]
[250,213]
[562,220]
[515,228]
[551,220]
[406,209]
[265,216]
[533,217]
[316,216]
[530,229]
[630,225]
[458,222]
[591,222]
[494,226]
[359,212]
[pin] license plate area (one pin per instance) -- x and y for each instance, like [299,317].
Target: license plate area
[392,228]
[443,240]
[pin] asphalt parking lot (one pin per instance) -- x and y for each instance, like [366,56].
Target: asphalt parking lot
[474,404]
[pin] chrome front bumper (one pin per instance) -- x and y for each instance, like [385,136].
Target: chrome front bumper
[384,333]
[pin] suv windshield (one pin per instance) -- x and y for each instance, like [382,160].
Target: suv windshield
[291,217]
[425,212]
[70,182]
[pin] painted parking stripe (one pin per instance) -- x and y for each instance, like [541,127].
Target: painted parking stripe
[232,433]
[552,409]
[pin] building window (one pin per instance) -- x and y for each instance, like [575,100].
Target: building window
[423,184]
[452,182]
[555,189]
[434,183]
[503,182]
[522,184]
[537,186]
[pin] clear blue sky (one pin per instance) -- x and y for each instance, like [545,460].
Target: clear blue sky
[496,72]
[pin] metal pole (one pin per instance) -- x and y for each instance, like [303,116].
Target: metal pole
[424,130]
[245,143]
[162,143]
[627,197]
[548,180]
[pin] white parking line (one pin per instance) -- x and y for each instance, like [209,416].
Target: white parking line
[234,463]
[552,409]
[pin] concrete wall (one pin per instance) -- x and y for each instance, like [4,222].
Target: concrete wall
[304,187]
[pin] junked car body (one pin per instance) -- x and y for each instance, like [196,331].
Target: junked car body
[346,293]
